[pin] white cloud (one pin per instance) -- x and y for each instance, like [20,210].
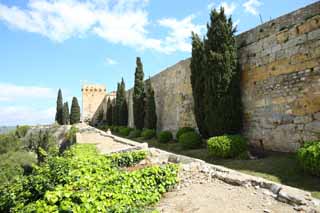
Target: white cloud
[12,115]
[228,8]
[111,61]
[179,33]
[251,6]
[11,92]
[122,22]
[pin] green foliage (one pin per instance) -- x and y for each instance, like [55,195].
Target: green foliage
[109,112]
[12,165]
[21,131]
[75,111]
[190,140]
[124,131]
[150,121]
[215,78]
[66,114]
[184,130]
[42,142]
[114,113]
[71,135]
[9,143]
[59,109]
[227,146]
[122,105]
[127,158]
[164,136]
[138,96]
[309,157]
[148,134]
[85,181]
[135,133]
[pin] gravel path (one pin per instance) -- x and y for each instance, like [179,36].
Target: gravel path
[104,144]
[198,193]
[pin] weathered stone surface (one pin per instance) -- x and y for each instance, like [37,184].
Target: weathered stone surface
[280,83]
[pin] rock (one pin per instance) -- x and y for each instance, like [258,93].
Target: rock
[275,188]
[302,119]
[266,211]
[313,127]
[317,116]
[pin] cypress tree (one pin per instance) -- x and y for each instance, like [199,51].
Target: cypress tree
[217,98]
[122,105]
[150,108]
[124,113]
[138,95]
[66,114]
[117,107]
[59,109]
[197,82]
[114,113]
[109,112]
[75,111]
[100,115]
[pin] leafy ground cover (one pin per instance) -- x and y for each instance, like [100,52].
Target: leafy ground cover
[81,180]
[278,167]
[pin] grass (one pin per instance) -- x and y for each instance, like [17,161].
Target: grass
[277,167]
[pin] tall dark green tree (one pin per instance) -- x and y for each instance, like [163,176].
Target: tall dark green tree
[59,109]
[122,105]
[215,78]
[150,121]
[66,114]
[114,113]
[109,112]
[138,95]
[197,82]
[117,106]
[100,115]
[75,111]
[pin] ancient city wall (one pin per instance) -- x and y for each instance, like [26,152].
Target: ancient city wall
[280,63]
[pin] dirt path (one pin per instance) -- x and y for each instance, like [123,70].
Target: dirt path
[200,193]
[220,197]
[103,143]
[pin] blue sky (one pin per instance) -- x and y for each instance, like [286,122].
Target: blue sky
[51,44]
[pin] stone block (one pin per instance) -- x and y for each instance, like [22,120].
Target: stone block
[313,127]
[302,119]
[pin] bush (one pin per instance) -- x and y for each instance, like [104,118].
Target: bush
[190,140]
[148,133]
[165,136]
[82,180]
[184,130]
[21,131]
[124,131]
[227,146]
[309,157]
[136,133]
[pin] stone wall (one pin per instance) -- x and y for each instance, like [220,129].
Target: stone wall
[173,95]
[280,63]
[281,80]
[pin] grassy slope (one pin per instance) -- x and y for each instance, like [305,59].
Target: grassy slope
[277,167]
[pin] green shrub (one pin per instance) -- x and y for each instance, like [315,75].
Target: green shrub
[148,133]
[21,131]
[115,129]
[227,146]
[124,131]
[165,136]
[184,130]
[82,180]
[309,157]
[190,140]
[136,133]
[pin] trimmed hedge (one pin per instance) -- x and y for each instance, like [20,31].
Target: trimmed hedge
[184,130]
[124,131]
[136,133]
[227,146]
[190,140]
[309,157]
[164,136]
[148,133]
